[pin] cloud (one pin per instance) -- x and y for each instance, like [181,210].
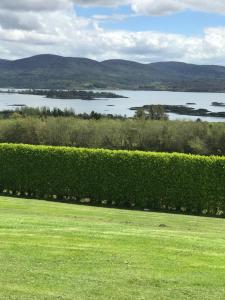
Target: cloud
[109,3]
[163,7]
[50,5]
[34,28]
[144,7]
[33,5]
[15,20]
[160,7]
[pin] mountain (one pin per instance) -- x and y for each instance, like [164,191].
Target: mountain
[52,71]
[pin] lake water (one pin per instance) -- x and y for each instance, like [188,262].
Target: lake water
[121,106]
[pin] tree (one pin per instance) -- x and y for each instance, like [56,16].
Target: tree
[157,112]
[140,114]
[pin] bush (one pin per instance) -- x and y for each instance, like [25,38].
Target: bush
[128,179]
[115,134]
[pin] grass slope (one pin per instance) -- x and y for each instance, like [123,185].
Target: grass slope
[62,251]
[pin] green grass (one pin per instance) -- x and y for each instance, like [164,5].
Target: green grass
[61,251]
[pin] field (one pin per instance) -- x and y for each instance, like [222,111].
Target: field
[62,251]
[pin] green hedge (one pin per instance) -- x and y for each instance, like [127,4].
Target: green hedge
[155,181]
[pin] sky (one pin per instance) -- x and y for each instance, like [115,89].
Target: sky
[191,31]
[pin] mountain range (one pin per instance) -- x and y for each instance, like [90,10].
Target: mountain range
[57,72]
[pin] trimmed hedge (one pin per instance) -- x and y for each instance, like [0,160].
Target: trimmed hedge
[155,181]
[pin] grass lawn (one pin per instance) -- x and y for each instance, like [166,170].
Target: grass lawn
[62,251]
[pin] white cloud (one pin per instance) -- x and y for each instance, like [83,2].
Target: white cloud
[159,7]
[33,5]
[148,7]
[110,3]
[34,29]
[49,5]
[162,7]
[15,20]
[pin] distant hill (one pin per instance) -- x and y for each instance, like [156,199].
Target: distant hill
[52,71]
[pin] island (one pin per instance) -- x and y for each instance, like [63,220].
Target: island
[67,94]
[219,104]
[184,110]
[19,105]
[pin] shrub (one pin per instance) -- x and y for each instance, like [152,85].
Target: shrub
[116,134]
[128,179]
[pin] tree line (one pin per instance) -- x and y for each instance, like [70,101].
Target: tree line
[98,131]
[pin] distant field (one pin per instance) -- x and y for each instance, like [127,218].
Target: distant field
[61,251]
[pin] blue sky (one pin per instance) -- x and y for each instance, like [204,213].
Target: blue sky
[186,22]
[191,31]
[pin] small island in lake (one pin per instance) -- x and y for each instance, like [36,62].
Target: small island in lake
[19,105]
[69,94]
[190,103]
[219,104]
[184,110]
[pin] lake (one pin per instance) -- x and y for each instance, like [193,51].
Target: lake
[121,106]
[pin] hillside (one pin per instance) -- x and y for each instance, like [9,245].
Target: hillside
[63,251]
[52,71]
